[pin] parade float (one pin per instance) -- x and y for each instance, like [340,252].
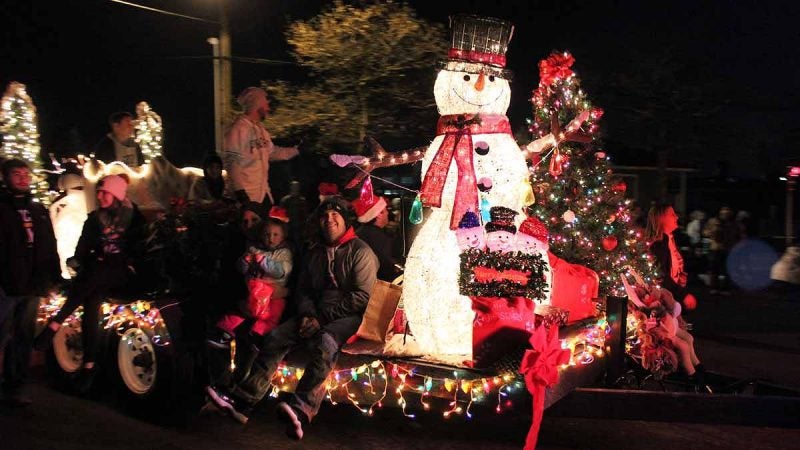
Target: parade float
[511,285]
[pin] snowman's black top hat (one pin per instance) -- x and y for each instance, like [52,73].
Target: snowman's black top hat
[478,44]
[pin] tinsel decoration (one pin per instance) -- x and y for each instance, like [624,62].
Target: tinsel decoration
[496,274]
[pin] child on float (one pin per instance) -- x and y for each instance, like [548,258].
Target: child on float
[111,239]
[271,261]
[661,224]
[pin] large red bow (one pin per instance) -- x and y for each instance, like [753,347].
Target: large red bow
[540,367]
[555,67]
[457,144]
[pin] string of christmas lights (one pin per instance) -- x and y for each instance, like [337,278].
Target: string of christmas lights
[21,137]
[148,131]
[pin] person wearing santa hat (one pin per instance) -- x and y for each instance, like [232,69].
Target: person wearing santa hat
[110,242]
[248,149]
[373,216]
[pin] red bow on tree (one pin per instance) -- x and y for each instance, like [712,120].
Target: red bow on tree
[540,367]
[555,67]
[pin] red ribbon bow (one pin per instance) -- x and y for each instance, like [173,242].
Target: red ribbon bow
[540,367]
[457,143]
[555,67]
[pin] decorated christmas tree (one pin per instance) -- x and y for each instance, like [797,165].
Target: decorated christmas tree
[577,195]
[21,136]
[148,131]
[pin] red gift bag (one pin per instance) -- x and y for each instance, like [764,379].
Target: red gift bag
[574,288]
[258,299]
[500,326]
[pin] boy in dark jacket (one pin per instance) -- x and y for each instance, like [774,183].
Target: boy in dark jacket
[332,295]
[29,268]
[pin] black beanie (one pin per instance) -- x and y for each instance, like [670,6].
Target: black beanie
[256,208]
[338,204]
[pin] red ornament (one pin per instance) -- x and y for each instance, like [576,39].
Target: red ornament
[609,243]
[556,163]
[690,302]
[619,187]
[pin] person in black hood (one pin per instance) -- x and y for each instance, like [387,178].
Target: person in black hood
[29,268]
[109,245]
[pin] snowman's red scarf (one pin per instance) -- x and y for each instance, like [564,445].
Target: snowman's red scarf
[458,131]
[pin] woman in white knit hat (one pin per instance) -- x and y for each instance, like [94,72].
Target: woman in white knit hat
[110,240]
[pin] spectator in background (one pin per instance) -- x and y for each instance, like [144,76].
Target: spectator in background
[29,268]
[118,145]
[373,217]
[248,149]
[695,228]
[211,187]
[723,234]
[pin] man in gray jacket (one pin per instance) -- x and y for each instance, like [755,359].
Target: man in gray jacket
[332,295]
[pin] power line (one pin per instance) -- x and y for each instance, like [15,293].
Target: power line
[161,11]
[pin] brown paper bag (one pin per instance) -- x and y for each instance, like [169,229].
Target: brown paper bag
[380,311]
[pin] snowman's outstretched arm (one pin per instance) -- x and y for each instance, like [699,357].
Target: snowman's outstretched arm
[379,158]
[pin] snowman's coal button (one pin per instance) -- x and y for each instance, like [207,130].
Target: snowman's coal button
[485,184]
[481,148]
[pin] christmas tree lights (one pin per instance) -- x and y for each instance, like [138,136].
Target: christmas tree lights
[21,136]
[577,196]
[148,131]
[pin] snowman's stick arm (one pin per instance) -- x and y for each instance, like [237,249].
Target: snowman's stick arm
[381,158]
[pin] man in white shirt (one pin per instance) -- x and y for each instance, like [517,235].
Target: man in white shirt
[248,149]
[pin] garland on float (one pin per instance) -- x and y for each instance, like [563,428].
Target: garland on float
[497,274]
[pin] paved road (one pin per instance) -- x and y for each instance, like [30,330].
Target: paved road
[746,334]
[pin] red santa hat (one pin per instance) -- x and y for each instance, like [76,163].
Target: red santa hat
[367,211]
[535,228]
[279,213]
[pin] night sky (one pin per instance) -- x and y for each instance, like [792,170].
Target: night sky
[85,59]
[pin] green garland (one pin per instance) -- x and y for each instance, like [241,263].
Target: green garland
[534,289]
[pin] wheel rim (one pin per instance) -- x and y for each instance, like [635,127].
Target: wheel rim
[136,359]
[68,348]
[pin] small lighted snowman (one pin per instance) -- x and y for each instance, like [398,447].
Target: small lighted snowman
[532,239]
[500,230]
[470,234]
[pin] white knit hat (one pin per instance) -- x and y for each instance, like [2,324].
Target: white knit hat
[115,185]
[250,97]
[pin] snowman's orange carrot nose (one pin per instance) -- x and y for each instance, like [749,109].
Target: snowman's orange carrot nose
[479,84]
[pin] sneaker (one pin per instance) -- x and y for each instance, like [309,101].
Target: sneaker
[220,340]
[294,427]
[44,340]
[226,404]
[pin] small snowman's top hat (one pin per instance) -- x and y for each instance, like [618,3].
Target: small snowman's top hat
[478,44]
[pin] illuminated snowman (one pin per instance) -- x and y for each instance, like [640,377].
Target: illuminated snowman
[67,214]
[472,164]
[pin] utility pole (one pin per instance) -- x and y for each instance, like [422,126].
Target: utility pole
[221,50]
[791,183]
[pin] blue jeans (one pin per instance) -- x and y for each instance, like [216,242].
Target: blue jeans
[17,328]
[323,349]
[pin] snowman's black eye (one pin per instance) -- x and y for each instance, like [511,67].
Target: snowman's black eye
[491,77]
[466,77]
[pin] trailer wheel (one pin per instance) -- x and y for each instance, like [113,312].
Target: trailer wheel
[65,358]
[145,373]
[137,361]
